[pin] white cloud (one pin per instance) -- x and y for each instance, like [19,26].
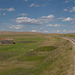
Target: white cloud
[69,31]
[67,19]
[49,16]
[23,14]
[54,25]
[64,30]
[25,0]
[33,21]
[33,30]
[7,9]
[67,1]
[28,21]
[34,5]
[4,14]
[58,31]
[11,9]
[72,10]
[41,28]
[65,9]
[16,27]
[45,31]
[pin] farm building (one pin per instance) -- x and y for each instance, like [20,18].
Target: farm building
[6,41]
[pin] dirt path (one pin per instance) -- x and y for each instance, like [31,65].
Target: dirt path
[73,41]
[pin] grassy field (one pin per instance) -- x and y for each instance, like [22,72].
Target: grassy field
[49,54]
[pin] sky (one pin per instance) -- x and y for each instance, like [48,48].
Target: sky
[45,16]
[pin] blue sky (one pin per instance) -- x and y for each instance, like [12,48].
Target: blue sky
[47,16]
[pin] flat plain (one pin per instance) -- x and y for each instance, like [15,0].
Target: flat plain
[36,54]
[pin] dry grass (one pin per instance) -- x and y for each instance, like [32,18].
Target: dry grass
[58,61]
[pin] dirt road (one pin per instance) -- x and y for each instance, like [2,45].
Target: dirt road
[73,41]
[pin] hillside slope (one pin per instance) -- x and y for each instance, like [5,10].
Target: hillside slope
[47,55]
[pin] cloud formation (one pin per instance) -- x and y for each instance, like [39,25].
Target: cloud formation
[49,16]
[54,25]
[33,21]
[23,14]
[25,0]
[67,1]
[16,27]
[7,9]
[68,19]
[69,31]
[58,31]
[65,9]
[3,14]
[73,9]
[71,20]
[34,5]
[45,31]
[70,10]
[11,9]
[28,21]
[33,31]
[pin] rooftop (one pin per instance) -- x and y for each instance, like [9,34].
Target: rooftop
[2,39]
